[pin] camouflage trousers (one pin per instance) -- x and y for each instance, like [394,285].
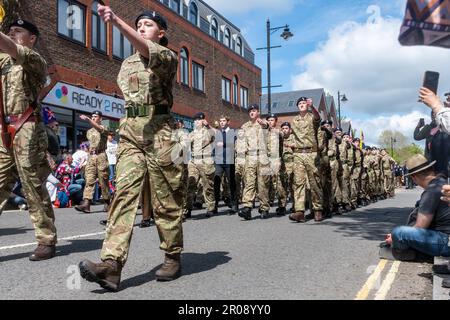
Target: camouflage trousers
[325,173]
[306,172]
[257,177]
[27,160]
[372,183]
[388,183]
[203,173]
[146,146]
[336,182]
[345,186]
[355,190]
[365,185]
[97,167]
[278,187]
[239,176]
[289,180]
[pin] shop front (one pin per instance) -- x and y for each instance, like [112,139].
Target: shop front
[68,102]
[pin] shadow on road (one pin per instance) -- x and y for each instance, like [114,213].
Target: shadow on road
[191,263]
[75,246]
[12,231]
[370,224]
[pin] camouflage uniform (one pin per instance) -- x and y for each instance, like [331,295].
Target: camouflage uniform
[344,156]
[240,150]
[22,80]
[336,181]
[147,144]
[387,165]
[306,162]
[201,167]
[257,166]
[278,184]
[365,177]
[288,161]
[356,192]
[97,164]
[325,171]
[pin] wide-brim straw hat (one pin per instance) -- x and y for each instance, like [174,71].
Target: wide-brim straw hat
[418,163]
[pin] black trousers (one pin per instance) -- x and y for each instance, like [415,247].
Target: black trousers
[229,171]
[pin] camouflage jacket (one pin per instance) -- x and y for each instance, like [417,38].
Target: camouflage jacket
[97,139]
[22,79]
[149,81]
[304,130]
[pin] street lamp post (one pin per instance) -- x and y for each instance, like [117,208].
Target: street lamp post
[344,99]
[285,35]
[393,140]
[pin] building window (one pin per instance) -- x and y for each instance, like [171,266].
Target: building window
[166,2]
[122,48]
[226,87]
[244,97]
[72,20]
[184,66]
[235,90]
[214,29]
[239,46]
[227,38]
[198,76]
[98,30]
[274,105]
[175,5]
[291,103]
[193,13]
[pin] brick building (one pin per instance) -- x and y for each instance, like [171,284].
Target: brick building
[216,75]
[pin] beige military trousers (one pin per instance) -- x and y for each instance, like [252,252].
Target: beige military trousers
[203,173]
[306,171]
[97,167]
[257,177]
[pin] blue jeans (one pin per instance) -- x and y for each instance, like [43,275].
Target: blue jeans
[430,242]
[112,172]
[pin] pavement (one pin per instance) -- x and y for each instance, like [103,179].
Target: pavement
[225,257]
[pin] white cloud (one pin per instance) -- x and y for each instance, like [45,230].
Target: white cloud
[373,127]
[238,6]
[367,63]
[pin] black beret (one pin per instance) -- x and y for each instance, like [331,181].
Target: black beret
[152,15]
[338,129]
[26,25]
[253,106]
[98,113]
[301,99]
[356,139]
[199,116]
[285,124]
[272,115]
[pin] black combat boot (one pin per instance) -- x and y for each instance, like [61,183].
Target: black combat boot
[171,268]
[281,211]
[145,223]
[106,273]
[85,206]
[245,213]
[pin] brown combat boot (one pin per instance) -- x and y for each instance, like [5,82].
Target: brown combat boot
[43,252]
[171,268]
[85,206]
[298,217]
[106,273]
[318,216]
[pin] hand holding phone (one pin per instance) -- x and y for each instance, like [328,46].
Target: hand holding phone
[421,122]
[431,81]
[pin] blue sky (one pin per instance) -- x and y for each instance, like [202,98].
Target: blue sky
[344,45]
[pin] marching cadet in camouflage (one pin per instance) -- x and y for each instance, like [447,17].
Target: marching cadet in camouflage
[24,74]
[336,170]
[201,167]
[365,178]
[387,164]
[357,193]
[346,158]
[97,164]
[288,158]
[257,165]
[306,160]
[147,144]
[240,150]
[371,175]
[325,136]
[353,192]
[378,171]
[278,182]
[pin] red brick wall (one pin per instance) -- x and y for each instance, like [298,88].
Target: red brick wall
[77,64]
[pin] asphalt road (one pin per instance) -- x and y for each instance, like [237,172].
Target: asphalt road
[224,258]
